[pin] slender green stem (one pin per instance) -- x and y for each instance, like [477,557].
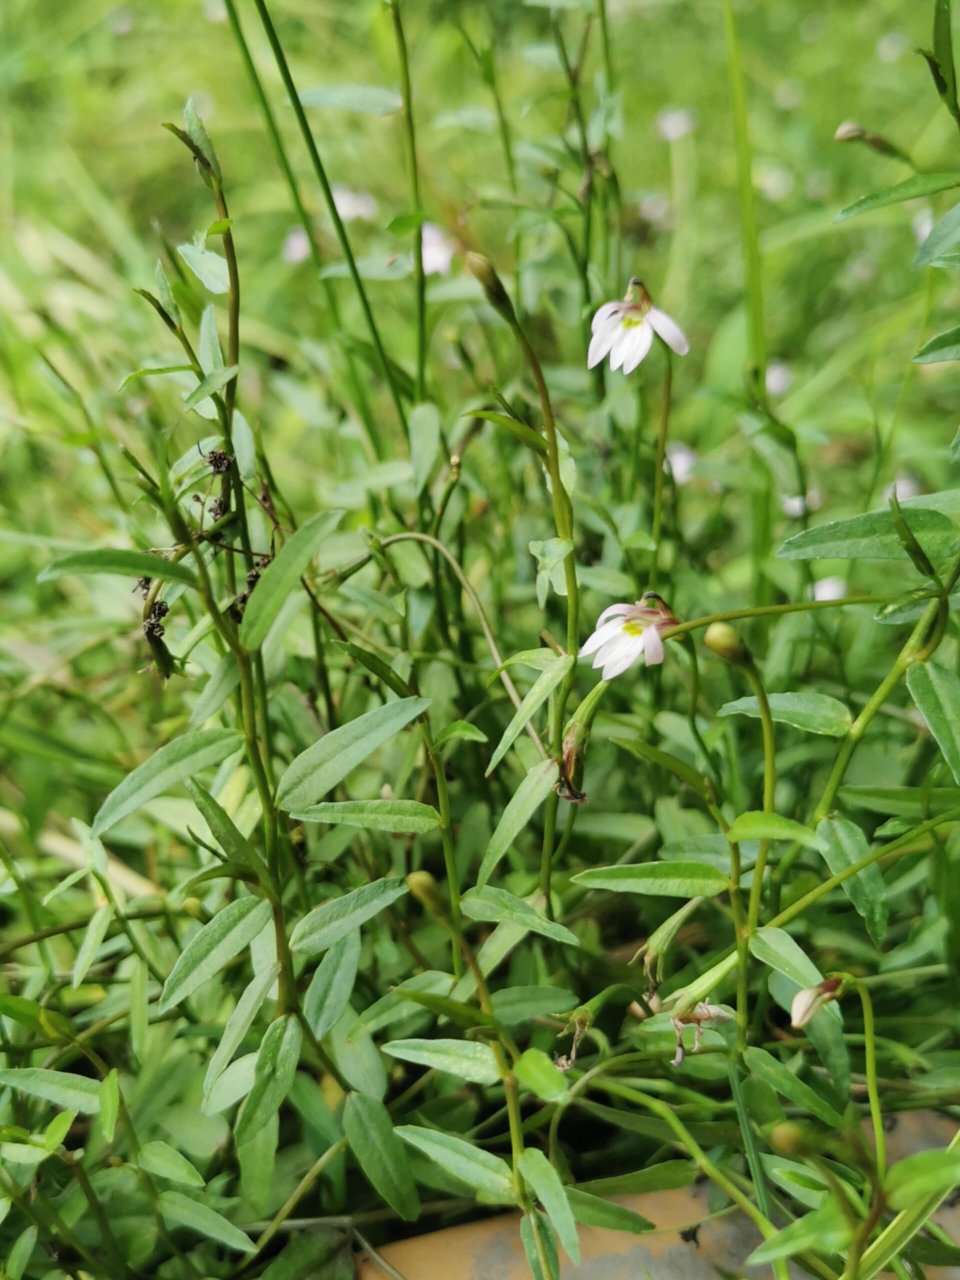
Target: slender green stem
[769,788]
[300,1190]
[410,137]
[657,522]
[321,175]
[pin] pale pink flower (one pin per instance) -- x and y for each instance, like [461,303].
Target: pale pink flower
[624,331]
[438,250]
[627,633]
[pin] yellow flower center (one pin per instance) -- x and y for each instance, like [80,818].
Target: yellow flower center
[633,628]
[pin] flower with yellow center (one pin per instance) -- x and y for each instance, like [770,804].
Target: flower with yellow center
[625,633]
[624,331]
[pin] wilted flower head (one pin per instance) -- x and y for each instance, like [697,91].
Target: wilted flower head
[624,330]
[808,1002]
[625,633]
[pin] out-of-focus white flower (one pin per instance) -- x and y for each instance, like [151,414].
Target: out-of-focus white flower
[625,633]
[808,1002]
[675,123]
[214,10]
[795,505]
[892,46]
[921,224]
[624,330]
[788,94]
[296,246]
[773,181]
[905,485]
[682,460]
[438,251]
[655,209]
[829,589]
[120,21]
[354,206]
[779,378]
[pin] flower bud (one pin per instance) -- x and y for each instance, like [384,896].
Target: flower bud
[492,285]
[849,131]
[808,1002]
[425,889]
[725,641]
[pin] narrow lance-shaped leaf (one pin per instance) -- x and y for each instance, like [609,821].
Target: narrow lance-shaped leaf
[239,1023]
[323,925]
[936,691]
[210,383]
[843,844]
[873,537]
[121,563]
[922,184]
[62,1088]
[318,769]
[499,905]
[400,816]
[657,879]
[182,1211]
[544,1181]
[770,826]
[812,712]
[178,760]
[282,576]
[92,939]
[523,804]
[230,930]
[539,692]
[467,1059]
[277,1061]
[380,1154]
[330,988]
[484,1172]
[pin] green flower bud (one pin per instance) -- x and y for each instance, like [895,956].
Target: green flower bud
[482,269]
[725,641]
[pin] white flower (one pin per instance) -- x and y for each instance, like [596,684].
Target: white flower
[682,460]
[905,486]
[624,330]
[438,251]
[795,505]
[829,589]
[625,633]
[296,246]
[808,1001]
[354,206]
[675,123]
[779,378]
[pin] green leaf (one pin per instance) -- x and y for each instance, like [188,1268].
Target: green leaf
[514,1005]
[124,564]
[323,925]
[180,759]
[277,1060]
[843,844]
[380,1154]
[163,1161]
[666,1176]
[210,383]
[944,237]
[317,770]
[539,692]
[210,268]
[764,1066]
[825,1230]
[20,1254]
[94,935]
[179,1210]
[593,1211]
[210,948]
[936,691]
[239,1023]
[873,537]
[937,350]
[526,435]
[539,1074]
[73,1093]
[755,825]
[927,1173]
[812,712]
[922,184]
[424,425]
[465,1161]
[499,905]
[368,99]
[152,371]
[943,52]
[521,807]
[282,577]
[233,843]
[331,986]
[466,1059]
[539,1242]
[401,816]
[664,760]
[658,879]
[457,730]
[540,1175]
[109,1093]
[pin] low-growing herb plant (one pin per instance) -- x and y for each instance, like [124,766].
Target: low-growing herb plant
[512,795]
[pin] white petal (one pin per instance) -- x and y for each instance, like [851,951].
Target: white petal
[609,649]
[625,656]
[614,611]
[652,646]
[601,636]
[604,313]
[643,345]
[669,330]
[602,340]
[624,344]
